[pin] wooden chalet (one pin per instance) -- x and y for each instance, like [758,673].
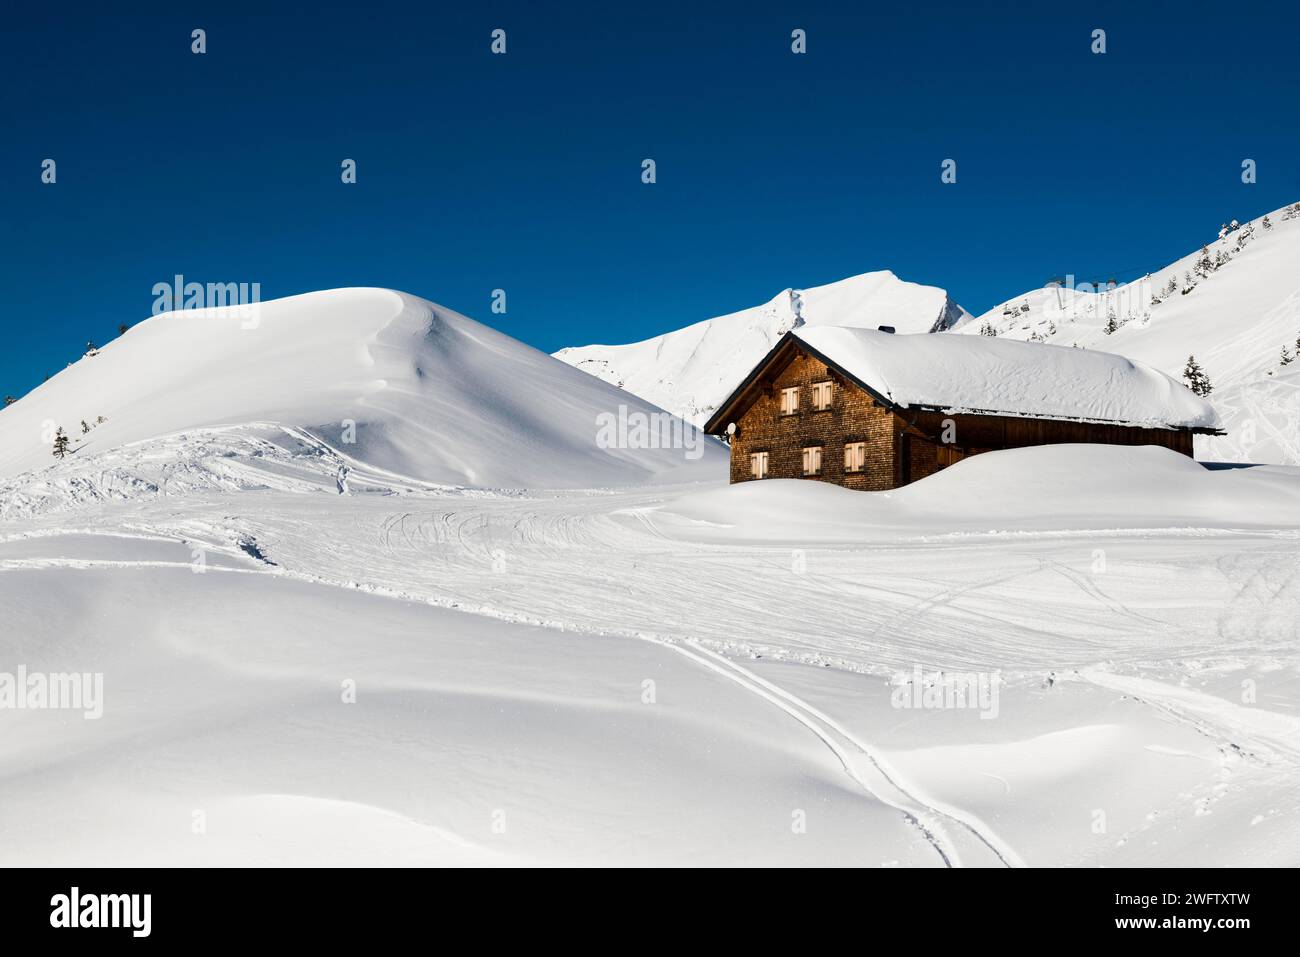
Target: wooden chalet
[867,409]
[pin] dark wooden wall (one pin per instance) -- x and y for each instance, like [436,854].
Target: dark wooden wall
[853,417]
[973,434]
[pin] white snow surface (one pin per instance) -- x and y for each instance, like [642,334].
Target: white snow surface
[962,373]
[691,371]
[425,392]
[700,674]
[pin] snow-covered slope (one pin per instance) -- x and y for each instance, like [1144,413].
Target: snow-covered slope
[691,370]
[1008,492]
[664,676]
[1235,307]
[388,380]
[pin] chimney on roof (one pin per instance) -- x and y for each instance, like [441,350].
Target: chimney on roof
[888,329]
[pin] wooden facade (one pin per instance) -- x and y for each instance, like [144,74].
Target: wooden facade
[894,446]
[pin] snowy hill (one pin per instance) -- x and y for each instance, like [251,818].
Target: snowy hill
[690,371]
[364,378]
[1235,306]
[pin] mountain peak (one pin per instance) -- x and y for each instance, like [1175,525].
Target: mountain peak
[690,370]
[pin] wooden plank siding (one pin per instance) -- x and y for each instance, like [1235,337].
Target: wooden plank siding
[902,445]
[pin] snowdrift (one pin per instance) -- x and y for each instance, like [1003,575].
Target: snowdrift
[1047,488]
[691,370]
[393,381]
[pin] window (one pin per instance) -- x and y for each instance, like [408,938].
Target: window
[790,401]
[821,396]
[758,464]
[812,460]
[855,456]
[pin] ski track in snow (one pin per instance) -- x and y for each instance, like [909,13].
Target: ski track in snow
[859,760]
[601,563]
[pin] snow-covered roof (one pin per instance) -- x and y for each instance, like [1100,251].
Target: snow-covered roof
[995,376]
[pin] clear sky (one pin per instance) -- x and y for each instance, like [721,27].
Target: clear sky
[523,171]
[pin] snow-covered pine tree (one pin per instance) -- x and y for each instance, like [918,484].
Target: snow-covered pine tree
[1287,358]
[84,427]
[1112,325]
[9,400]
[60,443]
[1267,224]
[1196,378]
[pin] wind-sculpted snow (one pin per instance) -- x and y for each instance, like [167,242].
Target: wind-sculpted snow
[399,383]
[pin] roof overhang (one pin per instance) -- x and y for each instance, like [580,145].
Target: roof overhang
[783,353]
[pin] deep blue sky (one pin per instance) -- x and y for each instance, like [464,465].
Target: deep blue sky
[523,171]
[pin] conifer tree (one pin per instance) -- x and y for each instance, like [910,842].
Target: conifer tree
[60,443]
[1196,378]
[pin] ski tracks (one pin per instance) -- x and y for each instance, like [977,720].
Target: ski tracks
[937,822]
